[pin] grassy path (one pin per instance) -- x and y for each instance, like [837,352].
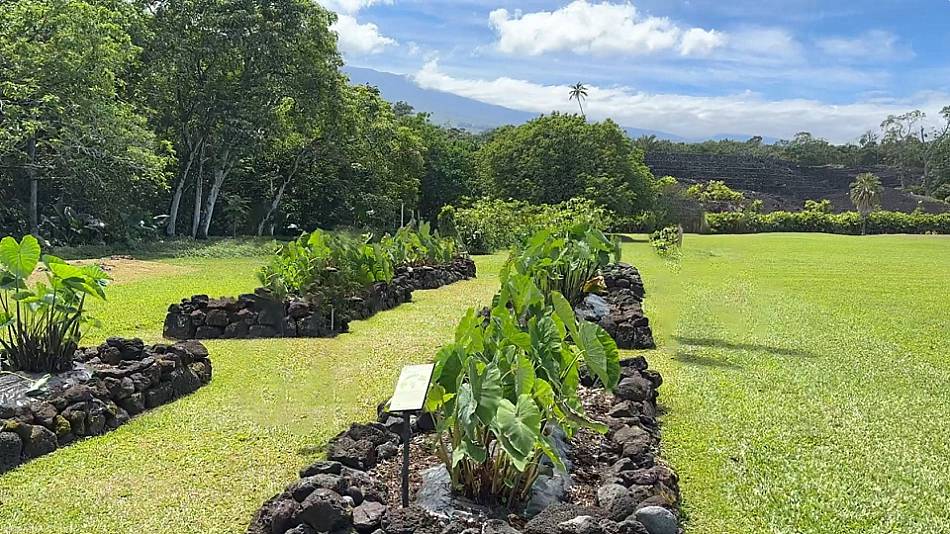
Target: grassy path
[204,463]
[807,390]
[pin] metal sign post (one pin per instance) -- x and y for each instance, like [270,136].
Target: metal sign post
[409,398]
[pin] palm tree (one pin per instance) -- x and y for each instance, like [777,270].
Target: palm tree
[866,196]
[579,92]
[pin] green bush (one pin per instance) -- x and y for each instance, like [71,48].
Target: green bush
[878,222]
[489,225]
[507,383]
[40,326]
[326,267]
[714,191]
[565,261]
[419,246]
[667,242]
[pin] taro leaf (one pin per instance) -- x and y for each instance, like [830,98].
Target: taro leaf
[448,366]
[550,450]
[469,332]
[20,258]
[486,390]
[6,319]
[600,353]
[66,272]
[469,449]
[524,375]
[518,429]
[565,313]
[576,415]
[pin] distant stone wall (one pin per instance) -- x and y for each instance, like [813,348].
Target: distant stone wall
[108,385]
[785,184]
[262,315]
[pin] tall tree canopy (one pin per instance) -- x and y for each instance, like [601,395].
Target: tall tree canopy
[558,157]
[69,133]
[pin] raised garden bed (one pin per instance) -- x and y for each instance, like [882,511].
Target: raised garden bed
[107,386]
[616,484]
[262,315]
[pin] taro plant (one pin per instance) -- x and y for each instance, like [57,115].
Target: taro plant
[566,261]
[420,246]
[41,322]
[509,384]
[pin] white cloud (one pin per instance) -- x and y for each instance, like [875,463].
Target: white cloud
[872,46]
[360,39]
[350,6]
[686,115]
[700,42]
[603,28]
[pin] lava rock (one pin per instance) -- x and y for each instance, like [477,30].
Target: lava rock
[412,520]
[548,520]
[634,388]
[40,441]
[324,510]
[497,526]
[322,468]
[11,447]
[368,516]
[657,520]
[617,501]
[583,524]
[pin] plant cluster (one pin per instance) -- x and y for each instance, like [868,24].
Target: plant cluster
[419,246]
[667,242]
[489,225]
[566,261]
[851,222]
[327,267]
[715,191]
[508,384]
[41,322]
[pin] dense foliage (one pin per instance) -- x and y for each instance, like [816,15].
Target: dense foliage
[567,262]
[667,242]
[489,225]
[557,157]
[327,267]
[509,383]
[878,222]
[41,322]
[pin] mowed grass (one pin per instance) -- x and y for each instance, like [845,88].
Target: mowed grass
[807,389]
[206,462]
[807,381]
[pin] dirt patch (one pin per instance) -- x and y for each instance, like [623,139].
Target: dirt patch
[124,269]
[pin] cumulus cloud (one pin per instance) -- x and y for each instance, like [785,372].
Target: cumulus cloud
[601,28]
[685,115]
[360,39]
[871,46]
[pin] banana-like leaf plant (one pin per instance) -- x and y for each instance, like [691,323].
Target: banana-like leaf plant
[508,383]
[41,322]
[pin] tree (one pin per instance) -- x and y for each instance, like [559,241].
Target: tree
[579,93]
[68,132]
[557,157]
[866,195]
[220,73]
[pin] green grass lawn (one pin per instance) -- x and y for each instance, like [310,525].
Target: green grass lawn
[807,390]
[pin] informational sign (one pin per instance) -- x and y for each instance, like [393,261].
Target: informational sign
[412,388]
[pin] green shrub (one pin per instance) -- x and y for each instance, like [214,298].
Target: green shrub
[565,261]
[507,383]
[326,267]
[489,225]
[878,222]
[40,326]
[714,191]
[667,242]
[419,246]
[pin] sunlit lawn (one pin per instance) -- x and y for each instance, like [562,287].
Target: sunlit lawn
[807,382]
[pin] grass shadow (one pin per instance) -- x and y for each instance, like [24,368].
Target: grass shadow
[704,361]
[754,347]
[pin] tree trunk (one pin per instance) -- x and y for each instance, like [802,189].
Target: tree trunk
[34,187]
[199,193]
[280,195]
[171,228]
[220,174]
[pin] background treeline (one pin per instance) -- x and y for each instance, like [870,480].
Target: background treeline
[123,120]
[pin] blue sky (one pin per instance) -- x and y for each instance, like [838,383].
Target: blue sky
[690,67]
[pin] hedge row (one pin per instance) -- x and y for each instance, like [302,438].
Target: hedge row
[878,222]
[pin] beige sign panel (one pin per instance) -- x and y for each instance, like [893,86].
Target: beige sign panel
[412,388]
